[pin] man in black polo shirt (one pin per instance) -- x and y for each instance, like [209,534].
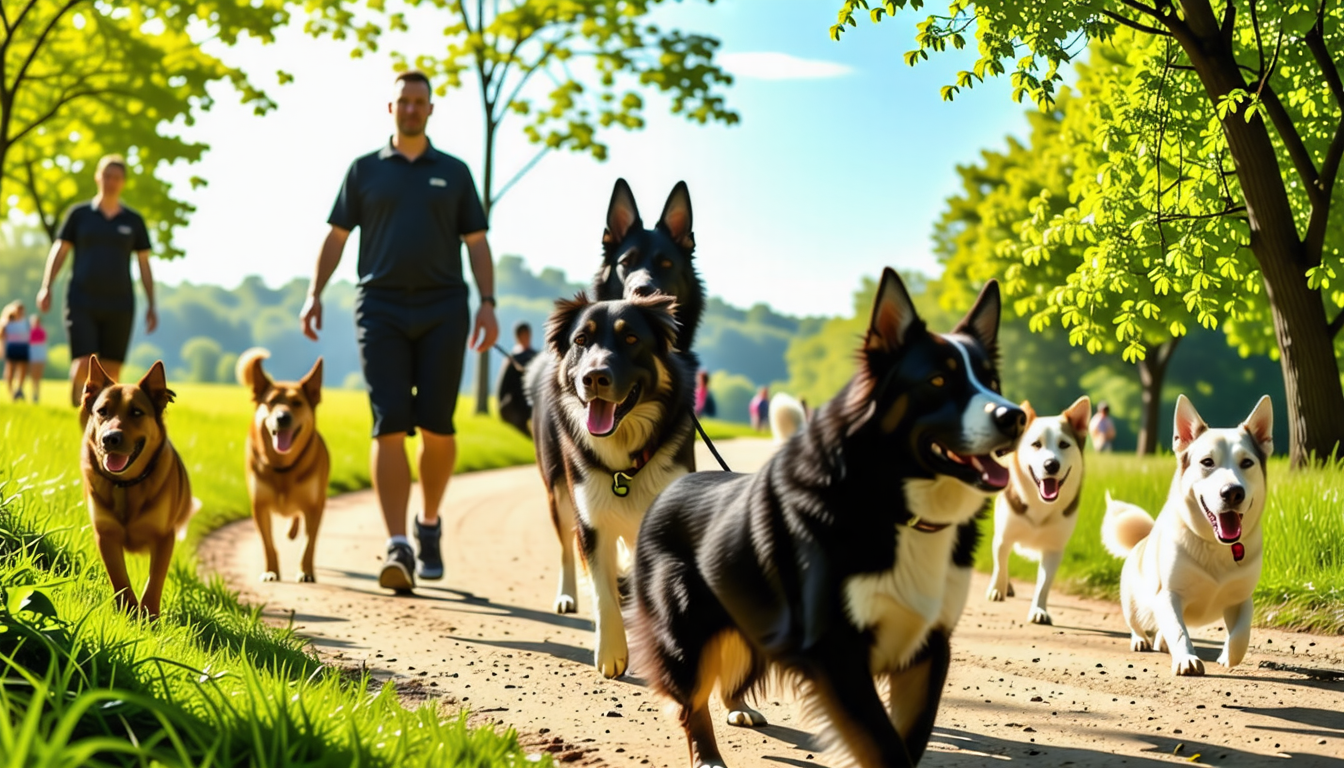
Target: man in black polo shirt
[415,206]
[100,304]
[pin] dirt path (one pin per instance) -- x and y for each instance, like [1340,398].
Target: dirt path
[1071,694]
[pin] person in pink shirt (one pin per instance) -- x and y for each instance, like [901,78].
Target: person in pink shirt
[37,354]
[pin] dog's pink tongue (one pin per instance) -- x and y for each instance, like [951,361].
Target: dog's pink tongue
[1229,526]
[601,416]
[283,440]
[992,473]
[116,462]
[1049,488]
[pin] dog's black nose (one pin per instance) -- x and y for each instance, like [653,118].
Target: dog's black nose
[284,419]
[1233,494]
[111,440]
[1052,465]
[643,290]
[597,377]
[1010,421]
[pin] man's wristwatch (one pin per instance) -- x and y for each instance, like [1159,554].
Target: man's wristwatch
[490,300]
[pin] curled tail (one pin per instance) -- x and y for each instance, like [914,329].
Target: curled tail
[1124,526]
[249,368]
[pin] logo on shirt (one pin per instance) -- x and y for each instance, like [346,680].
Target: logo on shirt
[124,229]
[435,181]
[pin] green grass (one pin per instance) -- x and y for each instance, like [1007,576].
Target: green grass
[209,683]
[1302,582]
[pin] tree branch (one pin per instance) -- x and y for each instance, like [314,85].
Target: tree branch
[1198,216]
[1335,325]
[41,39]
[1147,10]
[522,172]
[1322,193]
[49,225]
[1229,22]
[1117,18]
[62,102]
[1292,141]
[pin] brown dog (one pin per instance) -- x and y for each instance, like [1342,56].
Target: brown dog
[137,489]
[287,461]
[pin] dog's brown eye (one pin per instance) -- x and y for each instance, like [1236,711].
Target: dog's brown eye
[136,413]
[665,263]
[581,340]
[631,339]
[1036,445]
[1206,462]
[937,381]
[1063,446]
[629,258]
[1247,463]
[102,412]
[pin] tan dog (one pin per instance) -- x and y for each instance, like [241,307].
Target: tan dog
[136,487]
[287,462]
[1200,560]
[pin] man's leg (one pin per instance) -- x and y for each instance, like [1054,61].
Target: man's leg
[79,373]
[391,479]
[438,453]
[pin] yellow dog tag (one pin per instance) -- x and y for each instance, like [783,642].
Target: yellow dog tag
[620,484]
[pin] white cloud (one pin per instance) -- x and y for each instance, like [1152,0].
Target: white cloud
[773,65]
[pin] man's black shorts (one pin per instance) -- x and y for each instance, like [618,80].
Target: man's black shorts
[411,346]
[106,334]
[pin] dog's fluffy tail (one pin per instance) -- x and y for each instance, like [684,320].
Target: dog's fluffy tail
[787,417]
[1124,526]
[243,371]
[182,529]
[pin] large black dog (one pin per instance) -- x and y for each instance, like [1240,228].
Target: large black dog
[635,262]
[847,556]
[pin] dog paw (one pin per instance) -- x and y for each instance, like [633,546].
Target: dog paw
[1039,616]
[611,658]
[270,576]
[305,578]
[1226,660]
[1011,591]
[1187,666]
[993,595]
[1160,643]
[1139,644]
[746,717]
[566,604]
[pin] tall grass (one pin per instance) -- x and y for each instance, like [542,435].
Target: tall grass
[1302,582]
[209,683]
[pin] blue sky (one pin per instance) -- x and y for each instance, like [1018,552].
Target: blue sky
[839,167]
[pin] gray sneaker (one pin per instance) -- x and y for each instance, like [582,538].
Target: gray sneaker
[430,560]
[398,572]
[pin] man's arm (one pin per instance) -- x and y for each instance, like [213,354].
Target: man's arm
[55,260]
[483,269]
[332,248]
[147,280]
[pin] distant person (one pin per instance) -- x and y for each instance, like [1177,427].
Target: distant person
[37,355]
[16,331]
[415,206]
[513,407]
[704,399]
[1102,428]
[760,409]
[100,303]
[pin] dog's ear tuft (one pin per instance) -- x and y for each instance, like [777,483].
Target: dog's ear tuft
[155,384]
[1260,425]
[982,322]
[660,311]
[622,215]
[1078,415]
[94,384]
[676,218]
[561,321]
[311,383]
[893,315]
[1027,409]
[1189,424]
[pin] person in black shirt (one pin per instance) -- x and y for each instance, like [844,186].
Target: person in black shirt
[100,304]
[414,206]
[513,407]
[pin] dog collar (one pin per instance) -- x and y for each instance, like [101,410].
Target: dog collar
[1238,551]
[925,527]
[621,479]
[153,462]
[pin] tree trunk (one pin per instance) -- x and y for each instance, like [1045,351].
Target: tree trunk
[487,202]
[1152,372]
[1310,373]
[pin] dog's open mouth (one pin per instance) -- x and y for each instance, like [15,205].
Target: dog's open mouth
[116,463]
[604,415]
[983,469]
[1226,525]
[283,440]
[1049,487]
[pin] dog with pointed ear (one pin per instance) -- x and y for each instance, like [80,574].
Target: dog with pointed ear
[135,484]
[287,463]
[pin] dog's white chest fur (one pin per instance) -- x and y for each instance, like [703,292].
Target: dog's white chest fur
[601,508]
[901,605]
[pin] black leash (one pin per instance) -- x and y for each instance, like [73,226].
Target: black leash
[708,443]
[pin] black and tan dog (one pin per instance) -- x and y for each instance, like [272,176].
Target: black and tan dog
[286,463]
[622,406]
[847,557]
[135,484]
[636,262]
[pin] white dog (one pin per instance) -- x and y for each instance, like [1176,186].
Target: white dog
[787,417]
[1200,560]
[1036,513]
